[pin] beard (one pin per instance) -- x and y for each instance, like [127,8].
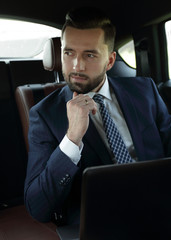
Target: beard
[84,88]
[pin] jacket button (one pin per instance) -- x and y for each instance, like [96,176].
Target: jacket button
[61,182]
[65,180]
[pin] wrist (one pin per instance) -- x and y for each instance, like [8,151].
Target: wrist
[76,140]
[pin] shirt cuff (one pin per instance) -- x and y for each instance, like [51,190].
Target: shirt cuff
[71,149]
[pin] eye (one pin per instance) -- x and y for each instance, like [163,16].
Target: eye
[90,55]
[68,53]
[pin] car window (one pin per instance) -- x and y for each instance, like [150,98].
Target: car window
[20,39]
[168,37]
[127,52]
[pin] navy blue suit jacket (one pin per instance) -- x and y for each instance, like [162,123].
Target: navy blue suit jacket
[53,182]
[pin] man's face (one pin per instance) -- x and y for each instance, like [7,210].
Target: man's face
[85,59]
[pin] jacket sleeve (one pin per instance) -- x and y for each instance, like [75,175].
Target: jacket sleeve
[163,122]
[49,172]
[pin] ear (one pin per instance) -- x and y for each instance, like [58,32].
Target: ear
[112,58]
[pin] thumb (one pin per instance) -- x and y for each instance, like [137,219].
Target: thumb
[75,94]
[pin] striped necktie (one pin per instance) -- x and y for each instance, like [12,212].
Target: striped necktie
[114,138]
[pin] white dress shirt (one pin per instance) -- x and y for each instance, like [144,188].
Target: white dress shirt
[110,101]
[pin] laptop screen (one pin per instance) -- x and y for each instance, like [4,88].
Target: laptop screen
[131,201]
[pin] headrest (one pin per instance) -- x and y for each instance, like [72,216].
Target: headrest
[52,55]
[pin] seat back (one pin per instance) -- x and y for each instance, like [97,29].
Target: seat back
[121,69]
[165,92]
[24,72]
[27,96]
[12,148]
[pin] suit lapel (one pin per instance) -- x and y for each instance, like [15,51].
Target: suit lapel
[130,114]
[61,121]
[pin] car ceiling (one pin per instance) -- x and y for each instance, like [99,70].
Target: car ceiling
[128,16]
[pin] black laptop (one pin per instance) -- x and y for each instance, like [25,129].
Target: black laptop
[125,202]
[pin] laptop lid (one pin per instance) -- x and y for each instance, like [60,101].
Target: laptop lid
[131,201]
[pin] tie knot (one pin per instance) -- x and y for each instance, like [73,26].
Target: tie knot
[98,98]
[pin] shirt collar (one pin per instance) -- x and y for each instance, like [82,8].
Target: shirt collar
[104,90]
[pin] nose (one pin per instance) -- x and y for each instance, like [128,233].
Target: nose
[79,64]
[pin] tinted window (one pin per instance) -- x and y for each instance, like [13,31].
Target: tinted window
[168,36]
[127,52]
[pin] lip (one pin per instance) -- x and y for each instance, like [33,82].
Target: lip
[78,78]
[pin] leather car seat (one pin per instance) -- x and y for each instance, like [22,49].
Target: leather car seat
[28,95]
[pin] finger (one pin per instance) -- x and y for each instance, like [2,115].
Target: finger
[94,110]
[91,104]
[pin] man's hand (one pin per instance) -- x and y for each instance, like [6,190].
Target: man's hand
[78,109]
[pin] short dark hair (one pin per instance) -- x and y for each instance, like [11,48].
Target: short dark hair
[90,17]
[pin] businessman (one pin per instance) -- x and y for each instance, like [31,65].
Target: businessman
[94,120]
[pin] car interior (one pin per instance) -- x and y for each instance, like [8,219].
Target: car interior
[25,81]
